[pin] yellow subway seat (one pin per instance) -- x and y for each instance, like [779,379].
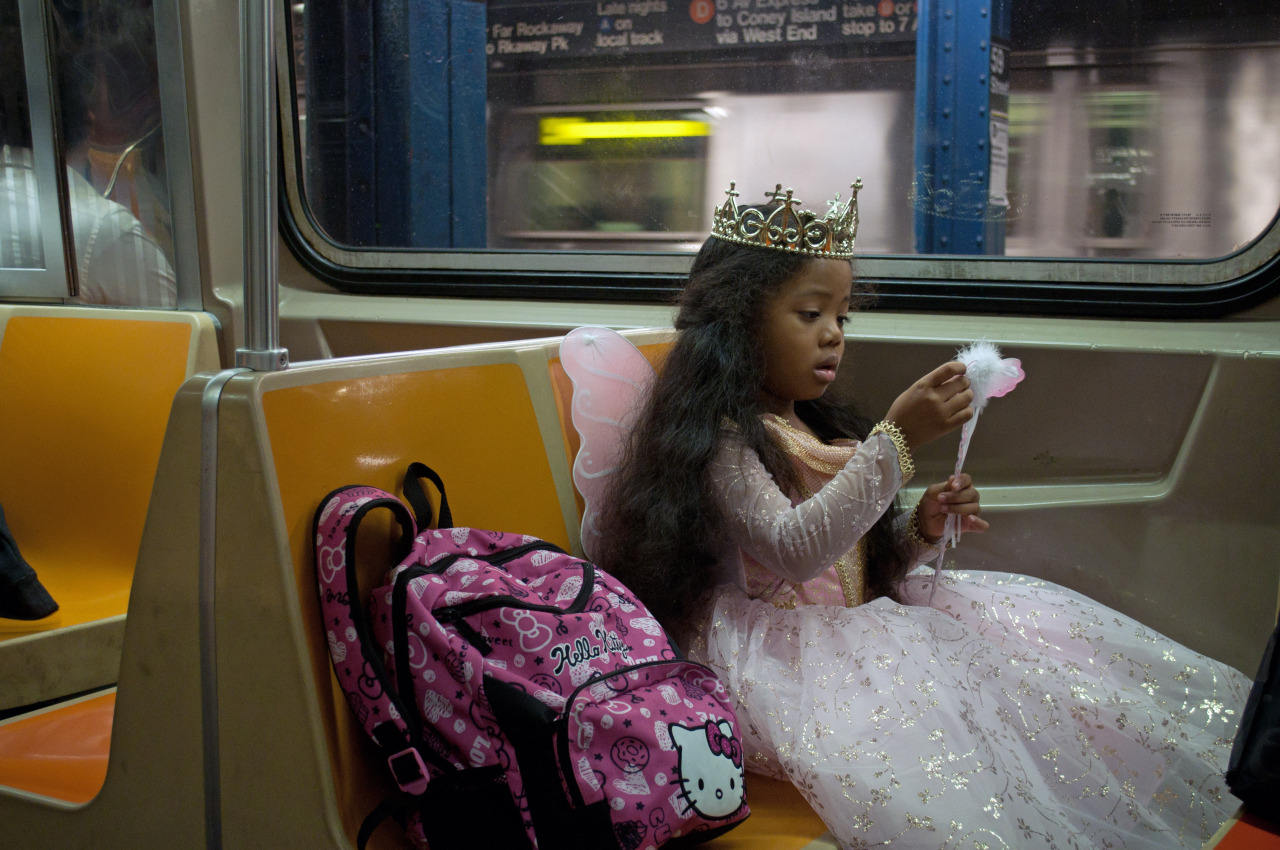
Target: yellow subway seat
[86,394]
[86,404]
[474,424]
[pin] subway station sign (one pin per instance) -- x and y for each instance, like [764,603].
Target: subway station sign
[550,30]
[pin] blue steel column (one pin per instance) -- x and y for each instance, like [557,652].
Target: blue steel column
[952,136]
[396,96]
[447,130]
[340,113]
[469,131]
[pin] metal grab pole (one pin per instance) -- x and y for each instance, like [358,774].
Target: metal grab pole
[258,157]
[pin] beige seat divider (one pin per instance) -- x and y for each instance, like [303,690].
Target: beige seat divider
[153,794]
[85,395]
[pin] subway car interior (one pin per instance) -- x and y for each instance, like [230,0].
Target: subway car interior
[252,253]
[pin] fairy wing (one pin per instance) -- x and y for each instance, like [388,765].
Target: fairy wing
[610,381]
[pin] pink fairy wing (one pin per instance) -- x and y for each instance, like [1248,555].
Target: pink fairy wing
[610,381]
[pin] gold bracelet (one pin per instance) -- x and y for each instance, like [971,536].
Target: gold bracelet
[905,463]
[913,530]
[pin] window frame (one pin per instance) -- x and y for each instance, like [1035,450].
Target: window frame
[1137,288]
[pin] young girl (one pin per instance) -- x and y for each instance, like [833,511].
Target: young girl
[756,517]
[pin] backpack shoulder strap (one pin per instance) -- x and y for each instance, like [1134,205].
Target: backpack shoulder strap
[359,663]
[417,496]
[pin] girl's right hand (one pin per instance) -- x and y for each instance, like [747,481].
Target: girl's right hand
[936,404]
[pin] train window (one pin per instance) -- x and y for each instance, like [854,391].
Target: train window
[466,137]
[86,107]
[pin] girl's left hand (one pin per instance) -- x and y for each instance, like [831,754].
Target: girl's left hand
[957,496]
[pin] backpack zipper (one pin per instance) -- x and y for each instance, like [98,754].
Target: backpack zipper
[450,613]
[455,615]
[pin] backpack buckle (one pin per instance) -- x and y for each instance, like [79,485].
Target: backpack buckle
[409,770]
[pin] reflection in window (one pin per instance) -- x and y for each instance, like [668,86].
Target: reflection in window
[608,178]
[113,134]
[103,67]
[1135,130]
[1121,173]
[1026,127]
[108,88]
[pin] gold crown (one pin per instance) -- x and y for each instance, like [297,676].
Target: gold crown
[785,228]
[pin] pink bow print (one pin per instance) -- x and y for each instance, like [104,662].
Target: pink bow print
[722,744]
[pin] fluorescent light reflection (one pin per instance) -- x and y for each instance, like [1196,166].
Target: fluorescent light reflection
[574,131]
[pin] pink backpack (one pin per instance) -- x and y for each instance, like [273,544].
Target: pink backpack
[521,696]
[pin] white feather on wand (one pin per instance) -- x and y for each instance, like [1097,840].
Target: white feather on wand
[990,376]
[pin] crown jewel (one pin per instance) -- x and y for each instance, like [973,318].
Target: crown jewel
[786,228]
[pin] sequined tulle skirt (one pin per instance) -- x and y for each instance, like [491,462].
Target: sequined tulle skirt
[1011,713]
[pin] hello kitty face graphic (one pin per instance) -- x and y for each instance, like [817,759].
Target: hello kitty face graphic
[710,766]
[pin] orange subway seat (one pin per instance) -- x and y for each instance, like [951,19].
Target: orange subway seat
[59,753]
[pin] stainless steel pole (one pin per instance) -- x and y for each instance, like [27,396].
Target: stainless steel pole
[258,152]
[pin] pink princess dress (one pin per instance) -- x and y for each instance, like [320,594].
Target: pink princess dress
[1007,713]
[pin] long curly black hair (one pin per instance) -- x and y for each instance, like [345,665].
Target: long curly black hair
[661,529]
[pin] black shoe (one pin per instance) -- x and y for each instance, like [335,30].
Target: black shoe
[22,596]
[26,600]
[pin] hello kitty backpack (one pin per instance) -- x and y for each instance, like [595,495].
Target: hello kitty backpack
[521,696]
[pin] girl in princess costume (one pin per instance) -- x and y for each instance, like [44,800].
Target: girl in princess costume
[756,516]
